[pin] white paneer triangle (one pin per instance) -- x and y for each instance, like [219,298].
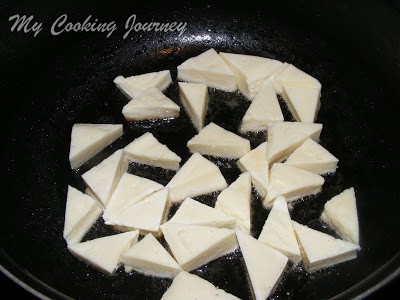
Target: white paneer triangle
[312,157]
[340,213]
[277,84]
[80,214]
[291,74]
[285,137]
[198,176]
[89,139]
[194,97]
[196,213]
[193,245]
[264,264]
[278,231]
[302,101]
[292,183]
[263,110]
[235,201]
[134,85]
[210,69]
[149,257]
[250,71]
[150,104]
[146,216]
[255,162]
[192,287]
[90,193]
[321,250]
[105,253]
[131,189]
[148,150]
[217,141]
[103,178]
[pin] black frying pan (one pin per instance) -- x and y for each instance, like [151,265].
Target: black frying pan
[51,82]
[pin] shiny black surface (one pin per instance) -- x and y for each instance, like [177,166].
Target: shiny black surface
[49,83]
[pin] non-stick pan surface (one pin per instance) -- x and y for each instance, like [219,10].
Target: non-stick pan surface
[49,83]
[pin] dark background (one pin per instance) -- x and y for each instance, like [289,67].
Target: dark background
[381,53]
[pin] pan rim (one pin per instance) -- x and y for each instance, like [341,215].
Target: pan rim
[366,290]
[23,284]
